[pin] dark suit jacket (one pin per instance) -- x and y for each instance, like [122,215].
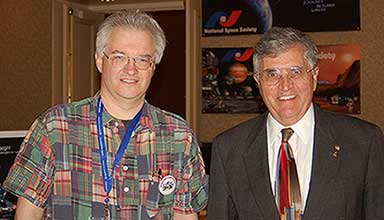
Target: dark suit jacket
[344,185]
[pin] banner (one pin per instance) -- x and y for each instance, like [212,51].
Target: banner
[233,17]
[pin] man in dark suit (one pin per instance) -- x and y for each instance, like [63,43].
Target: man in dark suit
[335,162]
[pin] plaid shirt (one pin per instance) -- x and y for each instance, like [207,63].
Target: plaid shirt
[58,166]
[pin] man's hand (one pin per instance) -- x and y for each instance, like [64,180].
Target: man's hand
[185,217]
[25,210]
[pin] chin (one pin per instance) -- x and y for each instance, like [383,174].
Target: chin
[288,112]
[288,118]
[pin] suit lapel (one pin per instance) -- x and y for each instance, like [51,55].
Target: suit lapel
[256,164]
[325,165]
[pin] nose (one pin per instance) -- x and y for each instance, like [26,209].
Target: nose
[130,65]
[131,60]
[285,82]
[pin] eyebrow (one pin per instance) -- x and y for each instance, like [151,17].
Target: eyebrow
[118,51]
[274,68]
[121,52]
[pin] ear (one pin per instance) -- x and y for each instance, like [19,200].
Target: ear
[256,78]
[153,68]
[99,62]
[314,77]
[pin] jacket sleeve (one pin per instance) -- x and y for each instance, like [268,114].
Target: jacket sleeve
[374,184]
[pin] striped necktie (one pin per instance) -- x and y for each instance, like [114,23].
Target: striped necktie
[288,197]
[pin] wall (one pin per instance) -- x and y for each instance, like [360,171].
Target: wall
[25,64]
[31,63]
[25,61]
[370,37]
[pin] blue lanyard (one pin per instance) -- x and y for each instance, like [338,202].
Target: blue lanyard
[107,179]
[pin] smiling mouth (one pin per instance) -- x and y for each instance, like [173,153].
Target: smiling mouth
[129,80]
[286,97]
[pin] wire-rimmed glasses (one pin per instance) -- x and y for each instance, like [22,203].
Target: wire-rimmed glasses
[272,76]
[119,60]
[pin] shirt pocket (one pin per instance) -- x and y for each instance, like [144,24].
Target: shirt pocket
[160,199]
[157,201]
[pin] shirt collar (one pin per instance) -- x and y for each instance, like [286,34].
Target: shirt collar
[146,119]
[304,127]
[274,128]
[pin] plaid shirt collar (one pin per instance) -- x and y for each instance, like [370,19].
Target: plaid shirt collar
[146,119]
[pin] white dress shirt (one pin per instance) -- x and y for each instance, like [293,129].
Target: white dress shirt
[301,143]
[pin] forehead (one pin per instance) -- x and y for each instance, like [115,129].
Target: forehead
[293,56]
[130,41]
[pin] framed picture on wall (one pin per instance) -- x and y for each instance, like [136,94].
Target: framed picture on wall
[234,17]
[10,142]
[228,85]
[338,86]
[227,81]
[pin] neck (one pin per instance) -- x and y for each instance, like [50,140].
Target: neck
[123,110]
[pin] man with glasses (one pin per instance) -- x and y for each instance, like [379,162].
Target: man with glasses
[296,161]
[112,156]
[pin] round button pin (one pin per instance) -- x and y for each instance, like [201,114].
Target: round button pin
[167,185]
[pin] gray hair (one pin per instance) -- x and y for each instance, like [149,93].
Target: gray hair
[131,19]
[278,40]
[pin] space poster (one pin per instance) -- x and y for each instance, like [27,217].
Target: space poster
[338,82]
[228,85]
[234,17]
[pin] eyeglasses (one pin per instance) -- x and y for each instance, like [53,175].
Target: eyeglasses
[272,76]
[119,60]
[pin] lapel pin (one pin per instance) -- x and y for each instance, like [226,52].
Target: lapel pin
[335,151]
